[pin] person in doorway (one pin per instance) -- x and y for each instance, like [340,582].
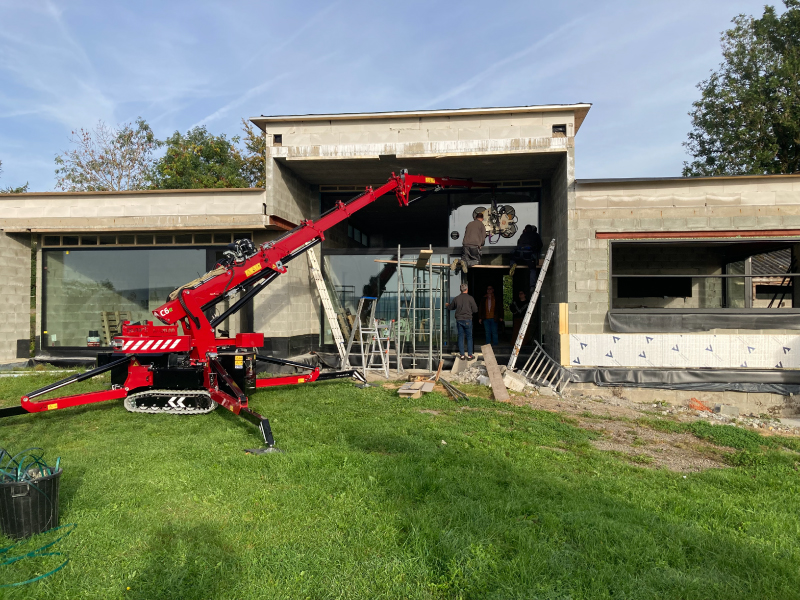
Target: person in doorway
[465,307]
[529,247]
[518,309]
[472,246]
[490,314]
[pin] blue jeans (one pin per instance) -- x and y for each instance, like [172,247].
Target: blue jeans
[490,327]
[464,329]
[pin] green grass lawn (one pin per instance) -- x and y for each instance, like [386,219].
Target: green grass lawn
[378,497]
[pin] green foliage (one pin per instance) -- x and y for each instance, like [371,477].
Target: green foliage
[255,155]
[748,118]
[200,160]
[108,159]
[12,190]
[367,502]
[726,435]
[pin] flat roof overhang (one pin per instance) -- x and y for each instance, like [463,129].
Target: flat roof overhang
[580,110]
[376,170]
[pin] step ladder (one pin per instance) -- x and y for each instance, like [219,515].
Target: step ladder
[531,305]
[327,305]
[373,338]
[377,357]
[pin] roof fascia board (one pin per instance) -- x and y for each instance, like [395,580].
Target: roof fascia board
[633,180]
[580,111]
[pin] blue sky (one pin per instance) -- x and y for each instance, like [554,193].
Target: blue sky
[65,65]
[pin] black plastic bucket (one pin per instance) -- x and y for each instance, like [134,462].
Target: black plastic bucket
[29,507]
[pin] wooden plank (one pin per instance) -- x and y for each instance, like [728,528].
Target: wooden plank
[495,378]
[439,371]
[423,258]
[428,387]
[413,394]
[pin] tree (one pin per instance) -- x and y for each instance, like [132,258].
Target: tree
[12,190]
[200,160]
[108,159]
[748,118]
[255,143]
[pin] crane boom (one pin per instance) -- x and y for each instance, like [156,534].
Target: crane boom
[156,368]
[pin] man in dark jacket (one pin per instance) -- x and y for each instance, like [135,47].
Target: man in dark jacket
[471,247]
[465,307]
[529,247]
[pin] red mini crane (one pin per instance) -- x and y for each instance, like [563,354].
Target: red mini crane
[157,368]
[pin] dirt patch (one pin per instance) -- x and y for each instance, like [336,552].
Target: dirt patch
[646,447]
[425,411]
[615,420]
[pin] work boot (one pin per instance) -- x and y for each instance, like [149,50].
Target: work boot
[464,267]
[454,265]
[512,269]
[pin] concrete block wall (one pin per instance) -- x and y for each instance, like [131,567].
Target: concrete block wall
[15,293]
[559,196]
[134,210]
[675,260]
[666,205]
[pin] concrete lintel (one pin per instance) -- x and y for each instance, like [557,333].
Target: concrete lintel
[197,222]
[423,149]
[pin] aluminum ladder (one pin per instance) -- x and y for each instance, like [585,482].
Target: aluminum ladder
[369,338]
[531,305]
[327,305]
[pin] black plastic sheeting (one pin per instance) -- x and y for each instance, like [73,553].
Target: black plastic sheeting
[707,380]
[652,321]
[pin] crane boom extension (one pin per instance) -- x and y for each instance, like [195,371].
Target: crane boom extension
[157,369]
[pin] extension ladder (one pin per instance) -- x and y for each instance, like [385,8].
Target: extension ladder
[531,305]
[327,305]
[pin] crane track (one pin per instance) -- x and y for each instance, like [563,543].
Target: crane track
[174,402]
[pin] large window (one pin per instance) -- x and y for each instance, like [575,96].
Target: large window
[703,275]
[350,276]
[87,291]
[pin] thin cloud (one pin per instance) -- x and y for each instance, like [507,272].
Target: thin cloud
[497,66]
[254,91]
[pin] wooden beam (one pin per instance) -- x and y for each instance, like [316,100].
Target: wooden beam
[424,257]
[495,378]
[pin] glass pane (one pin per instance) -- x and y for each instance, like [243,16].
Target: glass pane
[70,240]
[144,239]
[734,286]
[125,239]
[52,240]
[202,238]
[90,240]
[163,239]
[108,240]
[349,277]
[222,238]
[183,238]
[91,290]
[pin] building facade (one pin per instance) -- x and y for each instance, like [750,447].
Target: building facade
[648,274]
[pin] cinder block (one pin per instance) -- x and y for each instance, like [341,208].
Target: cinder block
[727,410]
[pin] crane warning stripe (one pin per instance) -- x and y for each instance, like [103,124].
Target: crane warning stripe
[175,343]
[147,345]
[127,345]
[156,345]
[137,344]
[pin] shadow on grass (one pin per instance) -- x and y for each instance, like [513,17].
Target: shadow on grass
[486,525]
[185,563]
